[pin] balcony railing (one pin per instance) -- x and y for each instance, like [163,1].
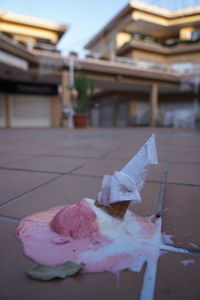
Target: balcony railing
[142,64]
[179,67]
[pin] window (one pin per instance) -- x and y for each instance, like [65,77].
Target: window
[195,35]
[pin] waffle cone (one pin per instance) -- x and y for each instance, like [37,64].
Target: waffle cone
[117,210]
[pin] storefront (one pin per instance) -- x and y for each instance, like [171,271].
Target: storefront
[28,105]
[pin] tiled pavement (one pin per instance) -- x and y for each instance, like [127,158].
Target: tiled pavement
[42,168]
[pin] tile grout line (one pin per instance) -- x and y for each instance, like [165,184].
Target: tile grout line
[106,153]
[150,276]
[85,175]
[73,157]
[161,210]
[161,196]
[92,176]
[148,181]
[31,171]
[159,213]
[10,201]
[183,184]
[185,162]
[9,219]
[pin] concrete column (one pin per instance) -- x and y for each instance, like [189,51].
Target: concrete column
[153,104]
[65,96]
[65,89]
[8,110]
[55,112]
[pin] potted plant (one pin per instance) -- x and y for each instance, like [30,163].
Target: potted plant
[85,88]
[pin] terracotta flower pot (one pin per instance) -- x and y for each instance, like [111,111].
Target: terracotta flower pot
[81,120]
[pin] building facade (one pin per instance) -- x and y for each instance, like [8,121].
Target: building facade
[145,63]
[149,38]
[30,71]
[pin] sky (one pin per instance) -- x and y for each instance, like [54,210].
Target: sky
[84,17]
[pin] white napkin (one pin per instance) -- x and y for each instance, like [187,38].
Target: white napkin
[127,183]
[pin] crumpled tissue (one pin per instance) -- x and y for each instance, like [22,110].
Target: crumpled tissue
[125,185]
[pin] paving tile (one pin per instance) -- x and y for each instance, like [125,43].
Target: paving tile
[15,284]
[149,195]
[61,150]
[8,145]
[178,277]
[106,145]
[84,152]
[49,164]
[129,153]
[67,189]
[181,216]
[15,183]
[102,167]
[121,154]
[6,158]
[184,156]
[185,173]
[183,148]
[34,149]
[64,190]
[186,141]
[137,142]
[155,172]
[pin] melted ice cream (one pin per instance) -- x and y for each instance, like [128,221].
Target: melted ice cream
[84,233]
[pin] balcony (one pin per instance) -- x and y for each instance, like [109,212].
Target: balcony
[168,47]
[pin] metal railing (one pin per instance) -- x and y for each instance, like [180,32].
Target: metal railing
[143,64]
[181,67]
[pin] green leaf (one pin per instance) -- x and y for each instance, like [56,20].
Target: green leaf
[85,87]
[44,272]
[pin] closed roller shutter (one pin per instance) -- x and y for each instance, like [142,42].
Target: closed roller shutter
[31,111]
[107,116]
[95,117]
[122,115]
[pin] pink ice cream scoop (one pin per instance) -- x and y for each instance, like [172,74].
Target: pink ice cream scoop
[59,234]
[76,221]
